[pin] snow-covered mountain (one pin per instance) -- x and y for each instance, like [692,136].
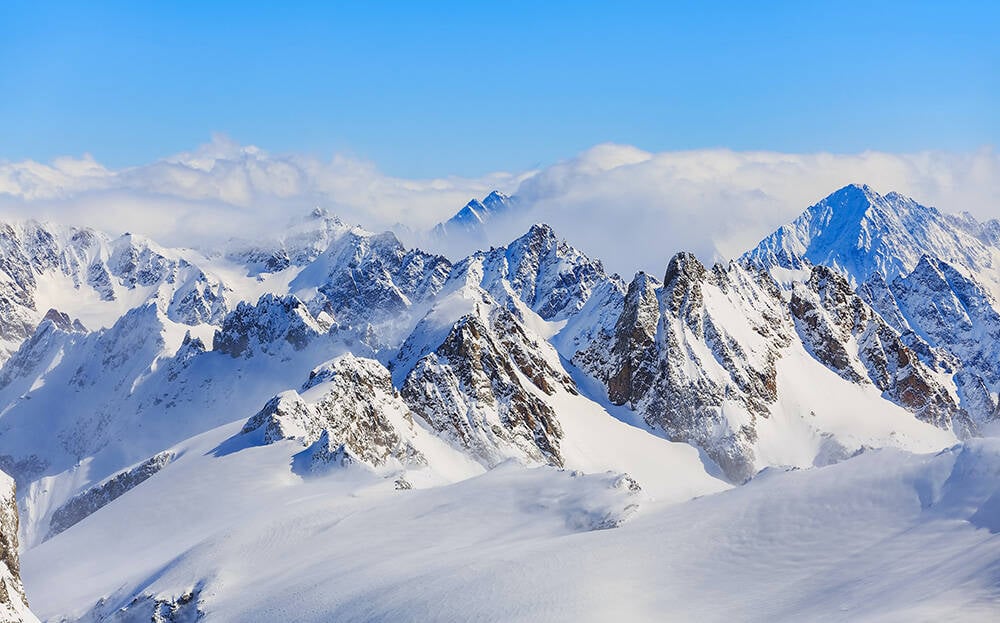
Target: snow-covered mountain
[96,278]
[862,233]
[184,416]
[933,277]
[723,359]
[302,241]
[472,219]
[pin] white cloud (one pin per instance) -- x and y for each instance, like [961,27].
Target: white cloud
[224,189]
[632,208]
[635,209]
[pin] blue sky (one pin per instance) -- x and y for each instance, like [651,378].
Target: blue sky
[429,89]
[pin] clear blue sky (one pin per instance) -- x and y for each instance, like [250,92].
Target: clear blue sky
[437,88]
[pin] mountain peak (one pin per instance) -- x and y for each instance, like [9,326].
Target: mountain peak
[496,199]
[851,202]
[856,190]
[471,218]
[540,230]
[860,232]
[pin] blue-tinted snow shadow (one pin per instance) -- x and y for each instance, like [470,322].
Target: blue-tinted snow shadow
[239,441]
[594,390]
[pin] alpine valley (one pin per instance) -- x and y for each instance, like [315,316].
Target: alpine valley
[330,426]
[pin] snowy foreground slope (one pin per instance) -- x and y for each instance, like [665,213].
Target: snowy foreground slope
[332,426]
[885,536]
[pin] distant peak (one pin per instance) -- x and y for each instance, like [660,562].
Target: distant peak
[541,230]
[474,206]
[474,215]
[854,191]
[496,197]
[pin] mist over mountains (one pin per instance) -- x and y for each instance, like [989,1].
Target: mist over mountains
[630,207]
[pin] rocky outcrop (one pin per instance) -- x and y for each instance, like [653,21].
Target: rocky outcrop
[273,324]
[82,505]
[63,321]
[675,357]
[633,350]
[848,337]
[13,603]
[347,412]
[369,278]
[186,607]
[549,276]
[484,387]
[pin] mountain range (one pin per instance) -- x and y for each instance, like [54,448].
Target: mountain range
[332,425]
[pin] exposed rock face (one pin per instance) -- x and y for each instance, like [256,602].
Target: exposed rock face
[697,356]
[483,388]
[348,411]
[270,324]
[81,506]
[952,324]
[549,276]
[674,356]
[847,336]
[368,278]
[13,603]
[633,350]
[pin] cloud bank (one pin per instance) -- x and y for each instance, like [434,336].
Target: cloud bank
[633,209]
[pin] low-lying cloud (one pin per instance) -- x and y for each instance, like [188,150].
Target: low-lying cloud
[633,209]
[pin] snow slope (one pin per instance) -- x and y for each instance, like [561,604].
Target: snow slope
[886,536]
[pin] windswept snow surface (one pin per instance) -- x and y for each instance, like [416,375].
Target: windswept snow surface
[887,536]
